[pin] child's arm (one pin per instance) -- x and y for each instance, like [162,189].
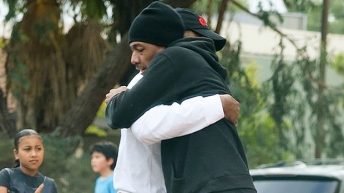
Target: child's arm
[4,180]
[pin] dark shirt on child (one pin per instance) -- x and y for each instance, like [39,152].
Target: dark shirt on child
[17,181]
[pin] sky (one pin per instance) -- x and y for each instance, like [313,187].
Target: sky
[277,5]
[4,29]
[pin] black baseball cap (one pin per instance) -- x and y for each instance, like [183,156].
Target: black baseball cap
[199,25]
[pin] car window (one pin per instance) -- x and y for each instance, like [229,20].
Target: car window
[296,186]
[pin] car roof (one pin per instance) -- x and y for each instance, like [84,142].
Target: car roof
[301,169]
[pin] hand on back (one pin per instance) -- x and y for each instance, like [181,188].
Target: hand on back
[113,92]
[231,108]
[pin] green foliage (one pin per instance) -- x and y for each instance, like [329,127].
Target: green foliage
[94,9]
[303,105]
[300,5]
[101,111]
[284,108]
[267,17]
[338,63]
[201,6]
[6,149]
[43,29]
[67,164]
[313,10]
[337,26]
[281,84]
[314,18]
[94,130]
[2,43]
[14,7]
[336,12]
[79,176]
[18,77]
[256,127]
[259,133]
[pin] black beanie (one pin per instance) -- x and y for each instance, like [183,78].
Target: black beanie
[157,24]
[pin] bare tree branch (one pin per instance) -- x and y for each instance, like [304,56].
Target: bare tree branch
[321,101]
[222,11]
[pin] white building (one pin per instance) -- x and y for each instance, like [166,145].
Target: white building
[260,43]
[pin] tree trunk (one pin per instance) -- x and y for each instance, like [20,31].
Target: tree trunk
[83,111]
[209,12]
[320,129]
[222,11]
[35,67]
[7,121]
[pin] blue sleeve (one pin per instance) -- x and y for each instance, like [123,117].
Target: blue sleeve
[112,187]
[112,190]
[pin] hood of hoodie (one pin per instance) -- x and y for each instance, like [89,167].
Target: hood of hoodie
[206,49]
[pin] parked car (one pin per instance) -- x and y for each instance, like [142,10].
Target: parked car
[299,178]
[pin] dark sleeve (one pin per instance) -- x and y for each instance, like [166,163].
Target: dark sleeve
[54,188]
[50,186]
[5,178]
[155,88]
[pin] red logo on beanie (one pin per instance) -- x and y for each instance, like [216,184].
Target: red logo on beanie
[202,21]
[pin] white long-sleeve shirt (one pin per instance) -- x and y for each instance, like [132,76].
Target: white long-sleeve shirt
[138,167]
[165,122]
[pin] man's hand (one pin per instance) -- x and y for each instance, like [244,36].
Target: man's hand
[231,108]
[40,188]
[113,92]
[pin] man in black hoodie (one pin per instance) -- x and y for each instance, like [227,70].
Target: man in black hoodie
[210,160]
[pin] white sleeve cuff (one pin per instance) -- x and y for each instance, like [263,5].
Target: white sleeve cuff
[213,109]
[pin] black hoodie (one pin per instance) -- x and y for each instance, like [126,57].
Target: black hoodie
[209,160]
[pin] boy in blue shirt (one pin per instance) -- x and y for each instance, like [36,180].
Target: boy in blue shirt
[103,161]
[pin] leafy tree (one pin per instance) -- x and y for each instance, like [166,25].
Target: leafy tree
[313,8]
[338,63]
[58,79]
[296,110]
